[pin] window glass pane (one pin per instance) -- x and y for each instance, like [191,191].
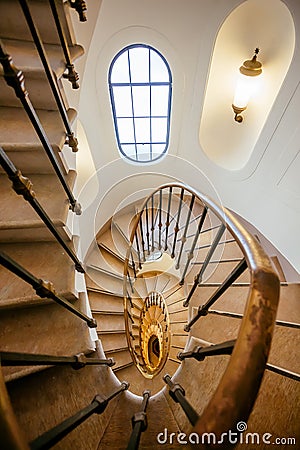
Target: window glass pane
[125,129]
[159,100]
[159,130]
[139,65]
[120,71]
[122,98]
[157,150]
[143,151]
[129,150]
[159,71]
[142,130]
[141,100]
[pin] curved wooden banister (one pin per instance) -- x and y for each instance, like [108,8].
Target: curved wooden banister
[235,396]
[11,436]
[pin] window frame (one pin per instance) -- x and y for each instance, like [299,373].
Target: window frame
[133,117]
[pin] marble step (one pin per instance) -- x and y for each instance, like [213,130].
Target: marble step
[48,329]
[45,261]
[19,222]
[14,26]
[109,321]
[100,301]
[21,143]
[112,339]
[26,58]
[121,356]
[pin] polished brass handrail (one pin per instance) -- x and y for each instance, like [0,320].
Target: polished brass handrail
[239,385]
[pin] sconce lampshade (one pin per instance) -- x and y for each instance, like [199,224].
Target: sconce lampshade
[246,85]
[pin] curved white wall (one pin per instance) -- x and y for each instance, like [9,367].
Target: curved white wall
[268,25]
[265,190]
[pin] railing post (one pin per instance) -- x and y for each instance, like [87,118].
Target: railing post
[168,218]
[183,239]
[203,309]
[176,228]
[72,75]
[160,219]
[48,70]
[80,7]
[139,423]
[98,405]
[200,353]
[23,186]
[33,359]
[191,251]
[43,288]
[15,79]
[198,278]
[177,393]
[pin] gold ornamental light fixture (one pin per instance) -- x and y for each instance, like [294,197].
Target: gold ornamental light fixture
[247,84]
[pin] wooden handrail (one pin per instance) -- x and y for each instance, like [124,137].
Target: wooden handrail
[11,435]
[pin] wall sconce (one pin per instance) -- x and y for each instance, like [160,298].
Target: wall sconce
[246,85]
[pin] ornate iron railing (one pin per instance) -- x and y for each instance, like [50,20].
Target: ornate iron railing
[186,223]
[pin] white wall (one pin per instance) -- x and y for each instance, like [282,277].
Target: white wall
[266,191]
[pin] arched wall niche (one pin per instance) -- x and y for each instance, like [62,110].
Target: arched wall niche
[268,25]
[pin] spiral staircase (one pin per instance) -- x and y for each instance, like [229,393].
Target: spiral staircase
[173,285]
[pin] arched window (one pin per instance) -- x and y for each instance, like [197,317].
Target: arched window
[140,85]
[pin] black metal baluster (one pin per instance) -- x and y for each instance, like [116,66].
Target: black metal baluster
[23,186]
[138,248]
[200,353]
[152,223]
[32,359]
[191,252]
[168,217]
[280,323]
[284,372]
[130,281]
[15,79]
[147,228]
[72,141]
[44,289]
[98,405]
[198,278]
[139,423]
[160,219]
[183,239]
[177,393]
[176,228]
[203,309]
[133,263]
[142,235]
[72,75]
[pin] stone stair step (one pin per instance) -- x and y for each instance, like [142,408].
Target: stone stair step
[23,330]
[217,273]
[101,258]
[121,356]
[108,321]
[21,143]
[116,435]
[44,260]
[18,220]
[13,23]
[105,280]
[114,340]
[101,301]
[26,58]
